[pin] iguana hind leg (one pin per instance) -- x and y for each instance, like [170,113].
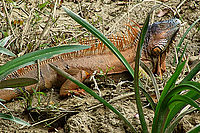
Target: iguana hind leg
[68,87]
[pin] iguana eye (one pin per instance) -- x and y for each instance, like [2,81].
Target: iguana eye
[162,26]
[156,51]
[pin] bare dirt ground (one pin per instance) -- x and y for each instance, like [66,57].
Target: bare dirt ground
[80,114]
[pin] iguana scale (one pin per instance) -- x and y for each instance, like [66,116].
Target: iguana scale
[83,63]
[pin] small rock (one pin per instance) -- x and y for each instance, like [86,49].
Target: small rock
[193,59]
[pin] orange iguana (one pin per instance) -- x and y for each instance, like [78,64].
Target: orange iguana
[82,64]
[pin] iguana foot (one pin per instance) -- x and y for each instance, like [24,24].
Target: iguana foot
[69,88]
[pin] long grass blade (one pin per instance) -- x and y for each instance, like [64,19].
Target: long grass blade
[88,90]
[29,58]
[150,73]
[184,99]
[183,37]
[1,100]
[136,75]
[173,97]
[7,52]
[182,87]
[172,125]
[192,73]
[15,119]
[180,59]
[19,82]
[4,41]
[149,99]
[159,116]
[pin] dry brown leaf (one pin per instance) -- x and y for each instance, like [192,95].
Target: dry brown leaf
[161,13]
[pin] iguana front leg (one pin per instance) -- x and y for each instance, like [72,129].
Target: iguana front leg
[159,66]
[68,87]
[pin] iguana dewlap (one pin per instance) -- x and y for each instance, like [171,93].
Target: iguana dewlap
[82,64]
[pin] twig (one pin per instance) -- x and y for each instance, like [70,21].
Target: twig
[95,83]
[50,97]
[176,56]
[112,100]
[44,121]
[187,62]
[120,19]
[59,117]
[26,28]
[76,36]
[54,10]
[153,14]
[181,4]
[8,18]
[41,12]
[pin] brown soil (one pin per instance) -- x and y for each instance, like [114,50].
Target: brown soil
[80,114]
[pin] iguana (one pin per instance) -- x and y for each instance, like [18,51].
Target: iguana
[83,63]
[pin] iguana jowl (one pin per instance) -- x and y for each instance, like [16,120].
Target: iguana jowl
[82,64]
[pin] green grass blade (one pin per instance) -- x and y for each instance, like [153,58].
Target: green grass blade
[184,99]
[3,104]
[150,73]
[7,52]
[136,75]
[180,88]
[172,80]
[183,37]
[192,73]
[149,99]
[101,37]
[159,117]
[88,90]
[19,82]
[182,54]
[29,58]
[173,124]
[4,41]
[11,118]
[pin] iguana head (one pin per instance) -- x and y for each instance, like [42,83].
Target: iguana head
[158,38]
